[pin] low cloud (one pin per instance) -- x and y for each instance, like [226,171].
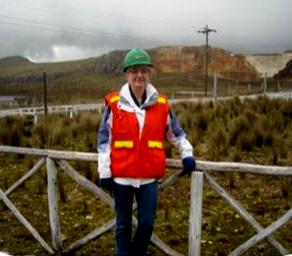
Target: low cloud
[53,31]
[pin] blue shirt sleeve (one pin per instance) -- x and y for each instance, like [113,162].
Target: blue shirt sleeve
[175,126]
[103,131]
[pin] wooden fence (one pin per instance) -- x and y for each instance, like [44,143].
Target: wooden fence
[59,159]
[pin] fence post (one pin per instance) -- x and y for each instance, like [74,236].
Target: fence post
[71,114]
[195,228]
[265,83]
[45,93]
[215,87]
[35,118]
[249,88]
[52,174]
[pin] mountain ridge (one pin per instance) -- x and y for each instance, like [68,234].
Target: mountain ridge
[166,59]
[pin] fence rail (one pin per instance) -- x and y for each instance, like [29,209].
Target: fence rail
[34,111]
[55,160]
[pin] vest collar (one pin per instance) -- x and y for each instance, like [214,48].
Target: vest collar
[127,102]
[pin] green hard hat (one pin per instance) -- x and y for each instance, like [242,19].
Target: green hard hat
[135,57]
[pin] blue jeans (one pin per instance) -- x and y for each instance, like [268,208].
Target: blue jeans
[146,197]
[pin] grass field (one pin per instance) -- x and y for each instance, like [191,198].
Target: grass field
[250,131]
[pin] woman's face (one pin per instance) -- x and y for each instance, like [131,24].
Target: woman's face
[139,76]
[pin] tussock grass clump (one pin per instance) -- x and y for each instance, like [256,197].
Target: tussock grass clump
[237,127]
[12,132]
[218,139]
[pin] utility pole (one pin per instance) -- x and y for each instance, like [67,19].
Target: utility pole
[206,30]
[45,93]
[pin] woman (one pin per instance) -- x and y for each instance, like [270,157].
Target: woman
[131,158]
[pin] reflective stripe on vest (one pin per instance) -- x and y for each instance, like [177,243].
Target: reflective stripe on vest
[123,144]
[114,99]
[117,98]
[155,144]
[161,100]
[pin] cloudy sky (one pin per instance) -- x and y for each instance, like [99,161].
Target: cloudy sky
[56,30]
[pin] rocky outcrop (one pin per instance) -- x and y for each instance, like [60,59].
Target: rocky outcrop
[285,73]
[183,59]
[269,63]
[110,63]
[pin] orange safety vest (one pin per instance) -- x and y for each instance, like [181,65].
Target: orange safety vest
[134,155]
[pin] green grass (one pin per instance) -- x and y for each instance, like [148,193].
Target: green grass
[250,131]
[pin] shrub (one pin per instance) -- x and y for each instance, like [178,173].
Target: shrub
[11,131]
[40,131]
[245,141]
[269,138]
[286,110]
[239,125]
[235,107]
[259,138]
[251,116]
[218,139]
[202,120]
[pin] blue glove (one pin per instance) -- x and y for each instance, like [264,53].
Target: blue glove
[107,184]
[189,165]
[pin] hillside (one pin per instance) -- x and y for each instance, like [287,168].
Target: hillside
[175,60]
[18,66]
[170,59]
[186,59]
[270,63]
[15,60]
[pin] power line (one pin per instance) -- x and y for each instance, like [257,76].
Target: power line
[95,14]
[206,30]
[62,28]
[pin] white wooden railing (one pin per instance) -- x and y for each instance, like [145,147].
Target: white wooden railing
[75,108]
[55,160]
